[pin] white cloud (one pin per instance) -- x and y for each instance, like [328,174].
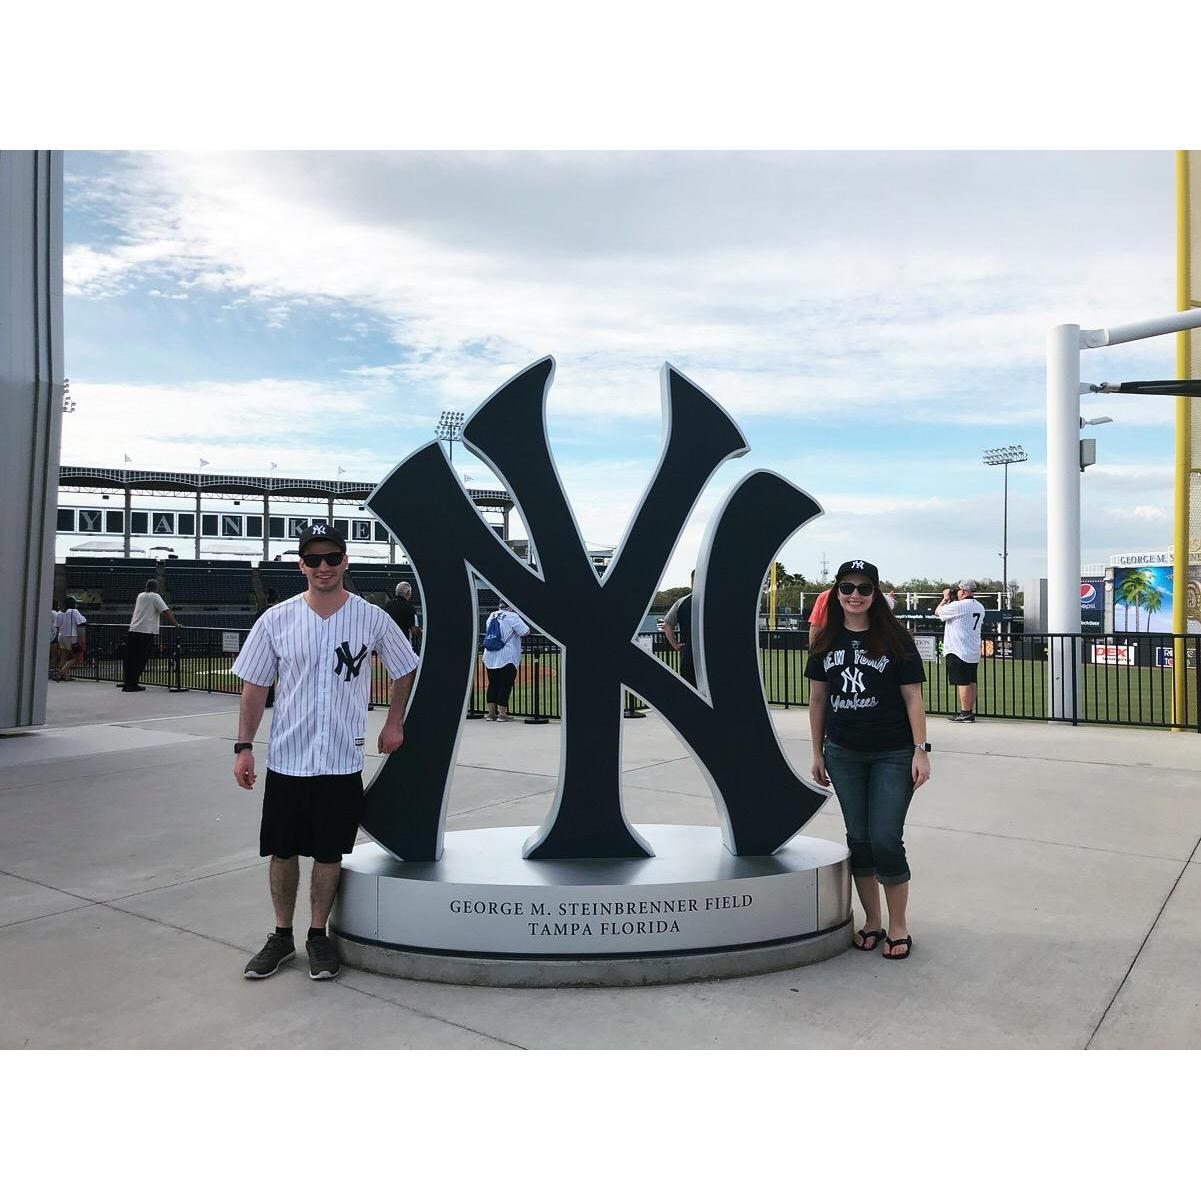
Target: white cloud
[784,282]
[820,295]
[239,427]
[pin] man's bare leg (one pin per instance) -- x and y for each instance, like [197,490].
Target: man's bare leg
[285,878]
[322,889]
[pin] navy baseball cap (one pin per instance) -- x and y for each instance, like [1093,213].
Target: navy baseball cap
[860,565]
[321,531]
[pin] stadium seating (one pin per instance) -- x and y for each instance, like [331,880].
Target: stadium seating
[283,578]
[108,582]
[213,593]
[202,583]
[379,583]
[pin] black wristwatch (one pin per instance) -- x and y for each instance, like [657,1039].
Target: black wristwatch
[923,746]
[239,747]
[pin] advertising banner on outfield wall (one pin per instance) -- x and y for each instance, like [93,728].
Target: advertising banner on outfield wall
[1142,600]
[1092,605]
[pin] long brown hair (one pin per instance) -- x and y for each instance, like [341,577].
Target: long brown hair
[884,635]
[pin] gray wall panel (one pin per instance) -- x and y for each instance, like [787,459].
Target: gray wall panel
[31,381]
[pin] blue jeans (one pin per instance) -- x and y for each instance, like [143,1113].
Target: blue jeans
[874,789]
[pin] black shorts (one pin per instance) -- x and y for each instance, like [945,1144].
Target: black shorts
[959,672]
[317,816]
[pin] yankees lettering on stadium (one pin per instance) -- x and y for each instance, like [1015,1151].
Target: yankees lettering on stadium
[761,801]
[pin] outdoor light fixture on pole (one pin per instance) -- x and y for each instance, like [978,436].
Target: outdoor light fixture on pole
[1064,344]
[1002,456]
[450,430]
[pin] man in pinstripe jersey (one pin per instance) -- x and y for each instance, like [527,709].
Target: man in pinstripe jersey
[316,648]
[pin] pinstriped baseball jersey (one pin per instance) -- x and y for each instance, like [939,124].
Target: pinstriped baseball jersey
[962,634]
[321,668]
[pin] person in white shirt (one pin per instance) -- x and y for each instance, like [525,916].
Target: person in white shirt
[501,660]
[72,641]
[148,609]
[316,648]
[961,644]
[676,627]
[54,615]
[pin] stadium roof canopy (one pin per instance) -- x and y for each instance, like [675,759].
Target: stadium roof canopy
[230,487]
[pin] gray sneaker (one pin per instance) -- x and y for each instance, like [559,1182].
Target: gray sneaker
[278,949]
[323,958]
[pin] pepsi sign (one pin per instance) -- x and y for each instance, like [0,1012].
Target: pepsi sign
[1092,605]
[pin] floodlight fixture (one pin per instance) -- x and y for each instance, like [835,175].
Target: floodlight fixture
[450,429]
[1002,456]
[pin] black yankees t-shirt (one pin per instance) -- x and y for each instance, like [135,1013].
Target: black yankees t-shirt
[864,707]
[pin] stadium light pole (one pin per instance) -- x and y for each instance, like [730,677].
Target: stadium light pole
[1002,456]
[1064,344]
[450,430]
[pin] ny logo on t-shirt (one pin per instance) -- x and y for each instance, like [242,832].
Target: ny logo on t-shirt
[852,680]
[352,663]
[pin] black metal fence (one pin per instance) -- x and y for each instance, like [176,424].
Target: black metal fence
[1125,679]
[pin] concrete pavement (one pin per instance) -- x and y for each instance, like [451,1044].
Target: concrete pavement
[1056,898]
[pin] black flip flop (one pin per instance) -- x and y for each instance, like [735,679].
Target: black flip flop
[866,934]
[907,942]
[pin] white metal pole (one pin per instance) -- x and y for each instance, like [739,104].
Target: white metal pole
[1135,331]
[1063,512]
[1005,542]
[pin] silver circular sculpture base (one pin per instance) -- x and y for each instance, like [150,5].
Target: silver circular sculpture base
[484,915]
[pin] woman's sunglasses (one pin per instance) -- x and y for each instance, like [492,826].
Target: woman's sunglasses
[846,588]
[332,557]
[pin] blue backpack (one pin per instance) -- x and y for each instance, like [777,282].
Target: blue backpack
[494,636]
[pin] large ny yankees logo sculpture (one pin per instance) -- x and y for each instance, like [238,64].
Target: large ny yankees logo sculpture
[725,721]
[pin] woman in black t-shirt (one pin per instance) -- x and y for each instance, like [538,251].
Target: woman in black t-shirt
[868,722]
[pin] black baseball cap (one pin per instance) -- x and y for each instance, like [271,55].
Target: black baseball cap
[862,566]
[321,531]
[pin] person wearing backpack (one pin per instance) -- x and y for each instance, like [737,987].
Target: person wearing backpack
[502,652]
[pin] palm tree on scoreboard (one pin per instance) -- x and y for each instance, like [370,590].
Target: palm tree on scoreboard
[1133,592]
[1152,602]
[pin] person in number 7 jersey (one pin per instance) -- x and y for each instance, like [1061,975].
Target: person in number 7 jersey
[963,615]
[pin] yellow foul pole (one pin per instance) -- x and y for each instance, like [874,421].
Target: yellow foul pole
[1180,541]
[771,598]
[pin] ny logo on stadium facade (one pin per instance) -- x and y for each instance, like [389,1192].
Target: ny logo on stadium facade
[725,721]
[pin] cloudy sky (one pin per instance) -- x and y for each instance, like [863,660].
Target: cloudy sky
[873,321]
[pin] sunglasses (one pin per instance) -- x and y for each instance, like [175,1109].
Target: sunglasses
[332,557]
[846,588]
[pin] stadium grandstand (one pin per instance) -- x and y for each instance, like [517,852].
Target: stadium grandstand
[135,513]
[119,527]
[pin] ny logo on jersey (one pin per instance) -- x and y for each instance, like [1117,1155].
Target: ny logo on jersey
[852,680]
[594,619]
[352,663]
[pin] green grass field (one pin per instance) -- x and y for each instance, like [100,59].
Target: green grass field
[1111,694]
[1018,688]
